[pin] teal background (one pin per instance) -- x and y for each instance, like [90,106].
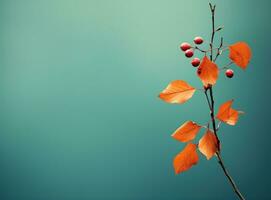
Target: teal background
[80,117]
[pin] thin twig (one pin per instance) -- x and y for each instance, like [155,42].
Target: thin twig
[226,66]
[208,50]
[219,48]
[213,29]
[201,50]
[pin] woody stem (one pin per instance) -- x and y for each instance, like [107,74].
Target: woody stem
[211,106]
[213,117]
[233,184]
[220,161]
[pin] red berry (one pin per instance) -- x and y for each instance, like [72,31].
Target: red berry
[184,46]
[229,73]
[198,40]
[195,62]
[189,53]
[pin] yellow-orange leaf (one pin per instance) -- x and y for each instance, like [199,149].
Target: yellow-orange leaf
[177,92]
[240,54]
[208,71]
[186,132]
[186,158]
[226,114]
[208,144]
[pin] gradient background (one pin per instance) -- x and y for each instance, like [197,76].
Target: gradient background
[80,117]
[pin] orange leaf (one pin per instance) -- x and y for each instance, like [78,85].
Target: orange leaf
[208,144]
[186,132]
[208,71]
[177,92]
[226,114]
[186,158]
[240,54]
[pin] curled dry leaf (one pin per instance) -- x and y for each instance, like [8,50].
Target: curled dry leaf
[186,132]
[226,114]
[177,91]
[208,71]
[240,54]
[186,158]
[208,144]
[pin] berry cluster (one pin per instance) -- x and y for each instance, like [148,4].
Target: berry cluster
[189,52]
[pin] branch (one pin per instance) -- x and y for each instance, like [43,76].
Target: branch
[233,184]
[213,29]
[206,95]
[213,117]
[215,129]
[211,106]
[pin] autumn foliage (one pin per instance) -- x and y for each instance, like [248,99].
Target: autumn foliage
[208,72]
[179,91]
[240,54]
